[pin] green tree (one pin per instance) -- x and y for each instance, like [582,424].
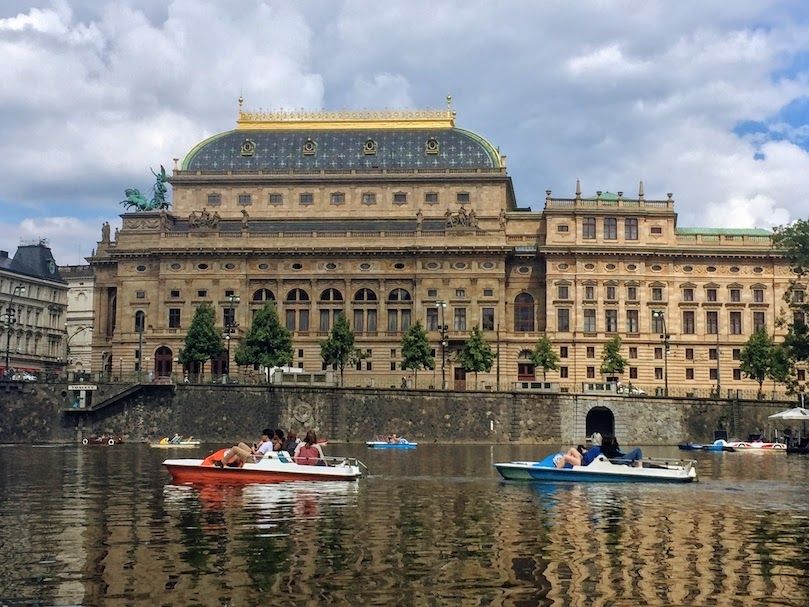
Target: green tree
[756,357]
[203,340]
[416,352]
[339,348]
[267,342]
[793,242]
[611,360]
[476,355]
[544,356]
[782,369]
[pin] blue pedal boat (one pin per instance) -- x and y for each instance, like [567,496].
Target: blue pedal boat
[601,470]
[378,444]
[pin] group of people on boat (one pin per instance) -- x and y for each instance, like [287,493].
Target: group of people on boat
[306,452]
[392,439]
[606,445]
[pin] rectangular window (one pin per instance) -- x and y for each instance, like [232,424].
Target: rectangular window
[610,228]
[657,293]
[736,353]
[337,198]
[303,320]
[631,228]
[712,323]
[370,317]
[562,228]
[589,321]
[688,294]
[632,293]
[459,319]
[633,373]
[589,292]
[488,292]
[392,365]
[368,198]
[562,351]
[591,352]
[432,319]
[588,228]
[801,375]
[563,292]
[611,321]
[735,295]
[393,321]
[324,321]
[488,319]
[797,296]
[632,325]
[462,197]
[174,318]
[432,293]
[393,352]
[689,373]
[399,198]
[633,351]
[140,294]
[758,295]
[658,371]
[591,372]
[712,374]
[175,293]
[710,294]
[300,353]
[688,322]
[563,372]
[245,199]
[658,353]
[228,317]
[563,319]
[214,200]
[611,293]
[712,353]
[758,321]
[431,197]
[306,198]
[658,321]
[737,374]
[689,353]
[656,230]
[202,293]
[405,320]
[736,323]
[276,199]
[290,320]
[460,293]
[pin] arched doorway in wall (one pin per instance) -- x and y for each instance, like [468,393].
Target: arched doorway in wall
[162,361]
[599,419]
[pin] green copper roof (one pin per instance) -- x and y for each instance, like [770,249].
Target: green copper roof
[725,231]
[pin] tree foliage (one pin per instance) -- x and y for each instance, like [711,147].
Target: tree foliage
[267,342]
[339,348]
[793,243]
[756,357]
[544,356]
[611,359]
[476,354]
[203,340]
[416,352]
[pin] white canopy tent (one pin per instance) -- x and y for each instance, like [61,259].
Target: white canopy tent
[796,413]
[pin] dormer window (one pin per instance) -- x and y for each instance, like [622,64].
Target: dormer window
[309,147]
[432,147]
[369,148]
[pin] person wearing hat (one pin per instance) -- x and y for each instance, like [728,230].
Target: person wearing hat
[240,454]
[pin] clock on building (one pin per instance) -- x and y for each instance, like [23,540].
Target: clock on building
[51,266]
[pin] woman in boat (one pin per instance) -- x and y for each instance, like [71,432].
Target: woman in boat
[309,453]
[291,441]
[610,448]
[278,440]
[577,456]
[240,454]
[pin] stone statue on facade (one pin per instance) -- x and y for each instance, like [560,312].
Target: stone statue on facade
[461,219]
[203,219]
[105,232]
[419,220]
[502,219]
[245,219]
[137,201]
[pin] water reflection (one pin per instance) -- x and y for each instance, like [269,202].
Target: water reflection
[433,526]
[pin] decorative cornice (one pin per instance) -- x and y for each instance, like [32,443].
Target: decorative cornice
[344,120]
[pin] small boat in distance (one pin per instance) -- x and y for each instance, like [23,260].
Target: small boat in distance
[401,443]
[176,442]
[600,470]
[758,446]
[103,439]
[274,467]
[717,445]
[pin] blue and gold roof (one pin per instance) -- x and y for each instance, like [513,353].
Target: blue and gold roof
[344,141]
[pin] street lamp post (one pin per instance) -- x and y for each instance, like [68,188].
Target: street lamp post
[665,337]
[230,326]
[120,368]
[10,321]
[441,305]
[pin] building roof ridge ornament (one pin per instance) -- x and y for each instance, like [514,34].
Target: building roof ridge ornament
[365,119]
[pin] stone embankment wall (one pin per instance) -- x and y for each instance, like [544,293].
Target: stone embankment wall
[219,413]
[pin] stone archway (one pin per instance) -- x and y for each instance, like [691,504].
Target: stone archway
[163,361]
[599,419]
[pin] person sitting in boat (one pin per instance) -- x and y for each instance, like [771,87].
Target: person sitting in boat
[393,439]
[577,456]
[291,441]
[309,453]
[278,440]
[241,454]
[176,439]
[610,448]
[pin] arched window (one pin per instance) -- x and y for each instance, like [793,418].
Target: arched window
[365,295]
[297,295]
[263,295]
[140,321]
[524,312]
[399,295]
[331,295]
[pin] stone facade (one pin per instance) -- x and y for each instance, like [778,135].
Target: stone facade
[393,219]
[79,317]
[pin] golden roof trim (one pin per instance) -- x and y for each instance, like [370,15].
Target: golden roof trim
[344,120]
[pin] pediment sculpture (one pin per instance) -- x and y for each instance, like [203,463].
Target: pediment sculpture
[203,219]
[461,219]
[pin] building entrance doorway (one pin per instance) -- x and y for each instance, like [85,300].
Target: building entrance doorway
[162,362]
[459,376]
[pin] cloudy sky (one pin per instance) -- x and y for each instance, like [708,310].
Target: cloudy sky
[708,100]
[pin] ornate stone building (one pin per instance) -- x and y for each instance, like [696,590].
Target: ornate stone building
[398,217]
[33,300]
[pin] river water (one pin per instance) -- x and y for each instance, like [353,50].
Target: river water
[433,526]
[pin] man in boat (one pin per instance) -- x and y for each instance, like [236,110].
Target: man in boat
[610,448]
[241,454]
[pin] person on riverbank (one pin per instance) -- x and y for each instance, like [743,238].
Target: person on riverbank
[308,452]
[240,454]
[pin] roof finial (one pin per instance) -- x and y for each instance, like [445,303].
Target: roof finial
[241,101]
[578,189]
[449,102]
[640,191]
